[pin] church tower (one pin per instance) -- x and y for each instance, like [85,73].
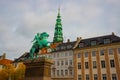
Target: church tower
[58,34]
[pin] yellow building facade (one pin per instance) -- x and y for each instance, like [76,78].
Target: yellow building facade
[97,58]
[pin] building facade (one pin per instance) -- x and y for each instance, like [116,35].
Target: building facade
[63,67]
[4,62]
[98,58]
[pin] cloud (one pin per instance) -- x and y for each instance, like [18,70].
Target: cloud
[21,20]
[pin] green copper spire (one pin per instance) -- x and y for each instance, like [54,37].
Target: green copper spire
[58,35]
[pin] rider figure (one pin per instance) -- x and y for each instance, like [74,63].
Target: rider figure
[37,38]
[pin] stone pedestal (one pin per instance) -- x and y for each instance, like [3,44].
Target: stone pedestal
[38,69]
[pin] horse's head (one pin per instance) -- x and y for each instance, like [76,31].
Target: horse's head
[44,35]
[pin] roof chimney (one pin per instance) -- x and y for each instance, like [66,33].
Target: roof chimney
[113,33]
[4,56]
[77,42]
[78,38]
[68,40]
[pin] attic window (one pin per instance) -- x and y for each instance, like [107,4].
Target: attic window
[93,43]
[57,48]
[106,41]
[63,47]
[69,46]
[81,45]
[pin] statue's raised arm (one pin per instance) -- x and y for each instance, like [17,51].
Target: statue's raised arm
[36,38]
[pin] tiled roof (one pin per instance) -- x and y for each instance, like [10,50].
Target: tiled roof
[5,61]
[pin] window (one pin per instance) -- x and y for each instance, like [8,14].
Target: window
[63,47]
[54,63]
[15,65]
[86,54]
[58,55]
[70,62]
[110,51]
[62,73]
[57,72]
[66,54]
[54,72]
[79,65]
[87,77]
[86,65]
[79,77]
[93,43]
[71,72]
[119,50]
[79,56]
[95,77]
[112,64]
[57,48]
[102,52]
[94,64]
[66,62]
[66,72]
[70,54]
[106,41]
[103,64]
[49,56]
[104,76]
[69,46]
[114,77]
[62,63]
[62,54]
[93,53]
[1,66]
[81,45]
[58,63]
[54,55]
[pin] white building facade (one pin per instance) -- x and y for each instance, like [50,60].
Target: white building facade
[63,67]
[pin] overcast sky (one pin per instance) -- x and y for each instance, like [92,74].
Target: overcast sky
[20,20]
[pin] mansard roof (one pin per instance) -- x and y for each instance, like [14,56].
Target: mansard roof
[99,40]
[87,42]
[65,46]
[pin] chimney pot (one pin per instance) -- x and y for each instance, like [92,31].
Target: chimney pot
[68,40]
[78,38]
[113,33]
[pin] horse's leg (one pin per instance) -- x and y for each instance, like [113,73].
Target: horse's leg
[36,55]
[31,53]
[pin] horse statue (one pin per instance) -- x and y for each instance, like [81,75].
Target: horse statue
[39,42]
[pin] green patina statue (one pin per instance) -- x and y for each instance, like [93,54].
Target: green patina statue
[39,42]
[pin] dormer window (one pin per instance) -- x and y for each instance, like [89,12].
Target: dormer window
[63,47]
[69,46]
[81,45]
[106,41]
[93,43]
[57,48]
